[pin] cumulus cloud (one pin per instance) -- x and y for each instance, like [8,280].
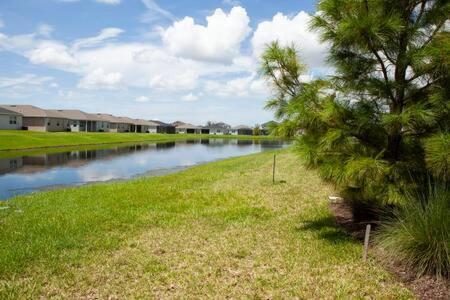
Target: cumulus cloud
[219,41]
[53,54]
[288,30]
[241,87]
[99,79]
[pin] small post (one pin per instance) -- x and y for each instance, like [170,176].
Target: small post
[273,171]
[366,242]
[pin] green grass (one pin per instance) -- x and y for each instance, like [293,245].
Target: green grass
[21,140]
[213,231]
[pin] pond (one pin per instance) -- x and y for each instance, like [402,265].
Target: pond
[34,172]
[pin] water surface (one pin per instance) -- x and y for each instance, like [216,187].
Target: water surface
[29,173]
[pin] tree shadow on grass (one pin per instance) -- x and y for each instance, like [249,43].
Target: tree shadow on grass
[326,229]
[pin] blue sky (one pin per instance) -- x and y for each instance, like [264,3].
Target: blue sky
[190,60]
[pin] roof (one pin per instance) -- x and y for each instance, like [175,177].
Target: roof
[126,120]
[26,110]
[242,127]
[73,114]
[186,125]
[144,122]
[108,118]
[8,112]
[157,122]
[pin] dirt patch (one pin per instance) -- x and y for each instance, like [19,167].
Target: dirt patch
[425,287]
[344,218]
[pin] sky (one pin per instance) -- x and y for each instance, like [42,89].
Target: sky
[189,60]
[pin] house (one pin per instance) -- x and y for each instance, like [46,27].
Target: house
[10,119]
[216,128]
[164,127]
[242,130]
[116,124]
[183,128]
[144,126]
[81,121]
[130,125]
[38,119]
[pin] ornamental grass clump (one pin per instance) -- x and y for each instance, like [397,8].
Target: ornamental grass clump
[418,234]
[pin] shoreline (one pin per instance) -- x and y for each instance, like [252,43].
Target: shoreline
[149,138]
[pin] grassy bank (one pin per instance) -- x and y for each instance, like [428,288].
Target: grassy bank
[20,140]
[221,229]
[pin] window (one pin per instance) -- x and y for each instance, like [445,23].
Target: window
[49,123]
[12,120]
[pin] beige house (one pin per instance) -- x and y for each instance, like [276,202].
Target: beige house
[116,124]
[144,126]
[183,128]
[81,121]
[37,119]
[10,120]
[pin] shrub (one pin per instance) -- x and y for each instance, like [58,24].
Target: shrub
[419,233]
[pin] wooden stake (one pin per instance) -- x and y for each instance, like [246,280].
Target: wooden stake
[366,242]
[273,171]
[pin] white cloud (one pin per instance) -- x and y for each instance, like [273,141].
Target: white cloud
[219,41]
[190,98]
[142,99]
[240,87]
[112,2]
[99,79]
[104,35]
[24,81]
[53,54]
[295,30]
[155,12]
[186,80]
[44,30]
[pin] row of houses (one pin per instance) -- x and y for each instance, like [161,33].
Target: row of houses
[28,117]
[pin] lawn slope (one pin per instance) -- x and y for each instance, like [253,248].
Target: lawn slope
[21,140]
[216,230]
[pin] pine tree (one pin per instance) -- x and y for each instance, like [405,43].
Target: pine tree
[381,123]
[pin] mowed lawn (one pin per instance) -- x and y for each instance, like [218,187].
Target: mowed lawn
[220,230]
[18,139]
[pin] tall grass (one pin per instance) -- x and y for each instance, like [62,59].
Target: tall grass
[419,233]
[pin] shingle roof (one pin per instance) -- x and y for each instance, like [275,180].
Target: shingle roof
[107,118]
[74,114]
[161,123]
[4,111]
[144,122]
[186,125]
[26,110]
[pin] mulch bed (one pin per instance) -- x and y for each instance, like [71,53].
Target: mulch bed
[425,287]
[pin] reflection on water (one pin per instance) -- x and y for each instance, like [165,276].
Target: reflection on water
[35,172]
